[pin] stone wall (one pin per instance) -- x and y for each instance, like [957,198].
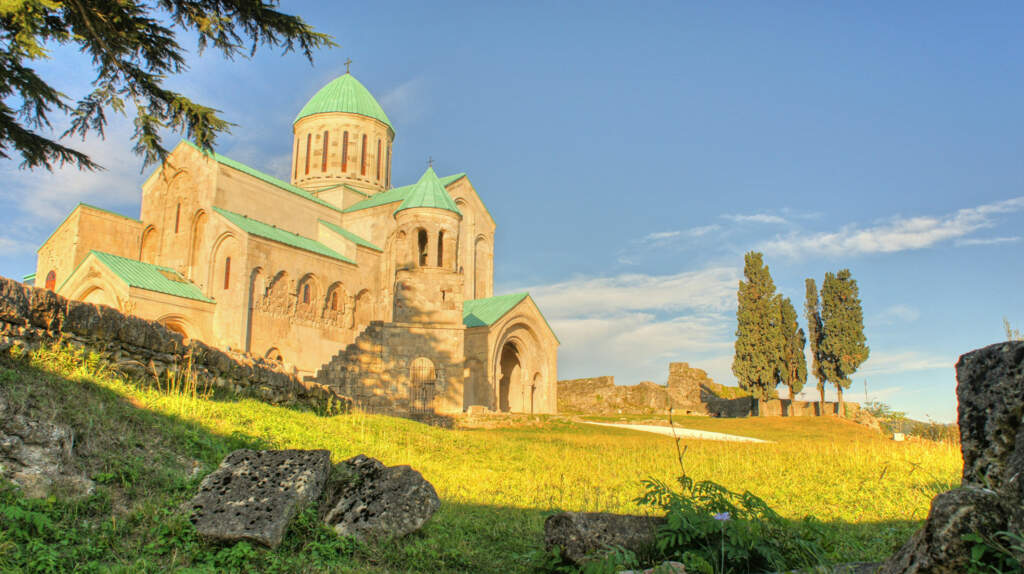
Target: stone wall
[688,391]
[30,317]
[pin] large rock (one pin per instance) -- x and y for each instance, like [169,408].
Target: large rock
[585,535]
[253,495]
[990,391]
[37,456]
[369,500]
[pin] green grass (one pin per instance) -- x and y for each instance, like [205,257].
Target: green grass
[496,485]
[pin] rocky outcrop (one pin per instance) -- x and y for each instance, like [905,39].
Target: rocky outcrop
[30,317]
[990,390]
[37,456]
[368,500]
[585,535]
[253,495]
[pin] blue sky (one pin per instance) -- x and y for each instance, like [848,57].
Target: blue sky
[632,154]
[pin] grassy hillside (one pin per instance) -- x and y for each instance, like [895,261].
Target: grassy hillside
[496,485]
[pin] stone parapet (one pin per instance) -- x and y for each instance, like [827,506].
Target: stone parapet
[32,317]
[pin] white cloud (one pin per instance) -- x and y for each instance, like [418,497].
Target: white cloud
[755,218]
[988,241]
[10,247]
[49,196]
[896,314]
[887,363]
[661,237]
[706,290]
[897,234]
[405,102]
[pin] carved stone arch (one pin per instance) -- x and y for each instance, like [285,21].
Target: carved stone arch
[98,292]
[362,310]
[517,356]
[225,264]
[482,261]
[195,249]
[274,354]
[335,303]
[279,295]
[307,295]
[149,245]
[179,324]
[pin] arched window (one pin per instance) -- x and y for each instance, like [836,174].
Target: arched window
[334,300]
[362,157]
[295,161]
[177,218]
[309,143]
[387,167]
[422,244]
[51,280]
[344,152]
[305,293]
[422,371]
[378,159]
[227,272]
[323,162]
[440,248]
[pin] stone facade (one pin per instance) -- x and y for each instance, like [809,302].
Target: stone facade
[688,391]
[337,275]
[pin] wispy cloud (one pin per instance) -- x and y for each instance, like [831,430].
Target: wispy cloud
[10,247]
[711,289]
[896,234]
[894,314]
[988,241]
[405,102]
[664,236]
[887,363]
[755,218]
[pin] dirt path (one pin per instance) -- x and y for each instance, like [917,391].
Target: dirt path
[681,432]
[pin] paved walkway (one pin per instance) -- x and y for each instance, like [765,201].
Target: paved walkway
[681,432]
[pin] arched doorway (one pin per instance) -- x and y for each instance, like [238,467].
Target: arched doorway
[177,325]
[510,391]
[422,377]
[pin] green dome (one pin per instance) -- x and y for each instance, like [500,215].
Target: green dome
[344,94]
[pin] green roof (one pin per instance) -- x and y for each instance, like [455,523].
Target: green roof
[344,94]
[429,192]
[267,231]
[359,191]
[484,312]
[398,194]
[349,235]
[262,176]
[149,277]
[29,277]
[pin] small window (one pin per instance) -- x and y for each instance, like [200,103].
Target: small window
[227,272]
[378,159]
[51,280]
[323,162]
[177,218]
[440,248]
[344,152]
[422,241]
[305,293]
[334,301]
[295,161]
[309,143]
[362,157]
[387,167]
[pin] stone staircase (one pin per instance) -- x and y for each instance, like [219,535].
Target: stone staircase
[357,368]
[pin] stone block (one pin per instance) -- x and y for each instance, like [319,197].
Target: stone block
[586,535]
[253,495]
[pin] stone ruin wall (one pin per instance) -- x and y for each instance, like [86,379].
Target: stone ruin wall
[32,317]
[688,391]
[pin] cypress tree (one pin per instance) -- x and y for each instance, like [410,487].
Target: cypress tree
[792,365]
[757,340]
[812,313]
[843,345]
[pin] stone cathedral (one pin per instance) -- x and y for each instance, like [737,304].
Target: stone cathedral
[384,293]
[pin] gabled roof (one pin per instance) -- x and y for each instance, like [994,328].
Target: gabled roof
[147,276]
[398,194]
[267,231]
[429,192]
[344,94]
[349,235]
[107,211]
[487,311]
[239,166]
